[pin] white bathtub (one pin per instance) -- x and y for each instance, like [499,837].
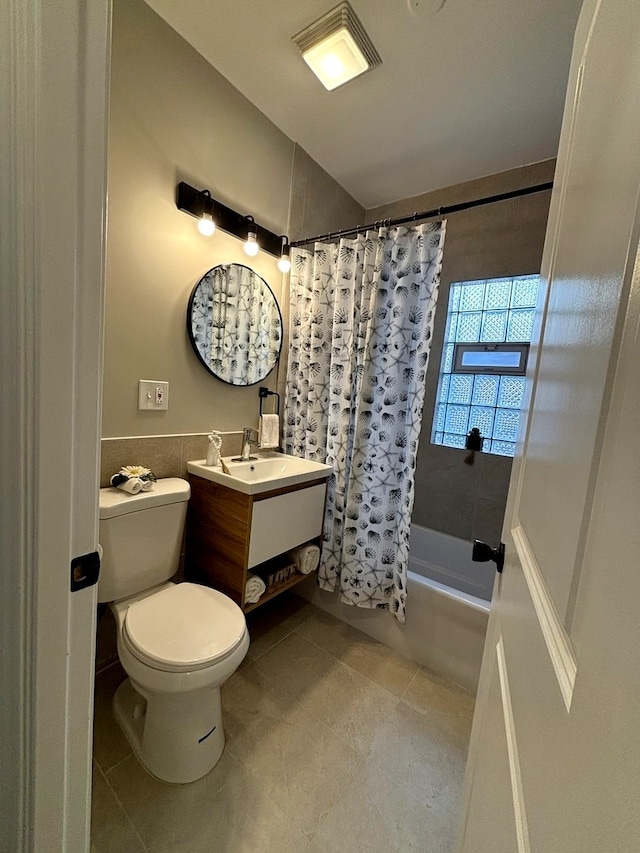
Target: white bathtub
[444,629]
[446,559]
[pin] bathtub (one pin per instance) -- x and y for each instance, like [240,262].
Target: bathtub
[445,627]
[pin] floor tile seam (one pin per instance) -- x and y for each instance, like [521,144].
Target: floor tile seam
[309,618]
[124,810]
[318,721]
[432,712]
[116,765]
[106,667]
[411,680]
[348,666]
[266,651]
[404,693]
[309,716]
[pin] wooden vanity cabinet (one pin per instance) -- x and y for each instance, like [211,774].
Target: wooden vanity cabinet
[230,534]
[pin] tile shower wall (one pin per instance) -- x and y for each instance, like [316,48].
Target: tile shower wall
[494,241]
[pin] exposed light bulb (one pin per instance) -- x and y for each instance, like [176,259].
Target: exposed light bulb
[206,225]
[284,263]
[251,247]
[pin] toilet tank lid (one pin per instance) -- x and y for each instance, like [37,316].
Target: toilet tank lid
[169,490]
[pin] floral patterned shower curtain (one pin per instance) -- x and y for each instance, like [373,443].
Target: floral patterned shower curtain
[360,333]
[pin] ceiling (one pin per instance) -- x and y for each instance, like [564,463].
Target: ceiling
[475,89]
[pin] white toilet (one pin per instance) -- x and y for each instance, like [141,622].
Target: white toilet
[177,642]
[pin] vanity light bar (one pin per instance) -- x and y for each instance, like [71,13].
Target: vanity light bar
[196,202]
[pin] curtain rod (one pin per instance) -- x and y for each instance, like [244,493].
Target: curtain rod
[428,214]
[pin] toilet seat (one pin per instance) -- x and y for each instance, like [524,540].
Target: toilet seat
[183,627]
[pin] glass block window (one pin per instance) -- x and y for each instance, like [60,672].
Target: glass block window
[499,311]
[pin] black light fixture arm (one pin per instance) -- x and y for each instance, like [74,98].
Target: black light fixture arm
[192,201]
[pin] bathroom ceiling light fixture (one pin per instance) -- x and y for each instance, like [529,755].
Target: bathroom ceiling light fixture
[198,202]
[337,48]
[251,246]
[284,263]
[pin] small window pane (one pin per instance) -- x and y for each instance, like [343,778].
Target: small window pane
[469,327]
[525,293]
[454,297]
[506,425]
[520,325]
[438,422]
[472,297]
[447,362]
[494,326]
[497,294]
[453,440]
[500,358]
[511,392]
[460,388]
[482,417]
[444,387]
[437,438]
[452,325]
[503,448]
[457,419]
[485,390]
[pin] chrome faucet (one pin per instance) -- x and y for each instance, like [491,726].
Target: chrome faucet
[249,437]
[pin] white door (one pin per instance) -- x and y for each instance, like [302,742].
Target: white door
[53,89]
[554,762]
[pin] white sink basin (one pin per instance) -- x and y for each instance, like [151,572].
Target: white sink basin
[270,470]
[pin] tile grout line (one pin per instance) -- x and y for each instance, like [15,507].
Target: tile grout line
[105,773]
[410,682]
[124,811]
[348,666]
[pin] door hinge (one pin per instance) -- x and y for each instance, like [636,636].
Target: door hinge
[85,571]
[482,553]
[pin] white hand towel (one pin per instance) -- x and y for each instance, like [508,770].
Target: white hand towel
[269,431]
[132,486]
[147,485]
[306,558]
[254,588]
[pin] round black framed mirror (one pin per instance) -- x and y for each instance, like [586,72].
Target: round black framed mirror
[235,325]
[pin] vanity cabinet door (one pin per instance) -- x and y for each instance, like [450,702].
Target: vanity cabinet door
[280,523]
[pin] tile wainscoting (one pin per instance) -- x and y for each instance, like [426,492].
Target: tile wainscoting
[165,455]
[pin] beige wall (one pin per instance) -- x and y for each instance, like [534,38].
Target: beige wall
[174,117]
[500,239]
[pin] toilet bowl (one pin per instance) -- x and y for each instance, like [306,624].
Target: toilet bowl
[178,643]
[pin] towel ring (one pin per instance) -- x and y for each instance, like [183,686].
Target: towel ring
[264,393]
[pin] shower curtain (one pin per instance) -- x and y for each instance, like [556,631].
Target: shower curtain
[360,333]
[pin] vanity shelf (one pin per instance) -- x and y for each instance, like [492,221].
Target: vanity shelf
[272,592]
[230,534]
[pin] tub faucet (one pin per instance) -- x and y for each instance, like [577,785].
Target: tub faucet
[249,437]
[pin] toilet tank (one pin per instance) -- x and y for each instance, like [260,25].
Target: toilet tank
[141,536]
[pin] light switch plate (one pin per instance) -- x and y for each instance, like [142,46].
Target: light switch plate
[153,395]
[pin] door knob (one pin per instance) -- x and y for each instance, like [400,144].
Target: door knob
[482,553]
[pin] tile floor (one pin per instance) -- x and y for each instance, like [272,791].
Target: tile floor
[334,743]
